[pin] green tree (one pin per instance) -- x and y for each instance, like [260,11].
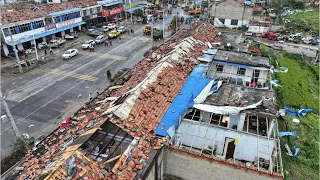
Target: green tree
[138,12]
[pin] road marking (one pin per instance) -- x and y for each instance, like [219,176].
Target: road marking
[93,73]
[70,74]
[104,55]
[84,57]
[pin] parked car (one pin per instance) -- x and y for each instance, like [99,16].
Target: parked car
[101,39]
[69,53]
[307,40]
[112,26]
[114,34]
[248,33]
[105,28]
[70,36]
[86,44]
[315,42]
[122,29]
[56,42]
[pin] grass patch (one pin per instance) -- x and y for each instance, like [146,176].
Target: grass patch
[304,21]
[300,89]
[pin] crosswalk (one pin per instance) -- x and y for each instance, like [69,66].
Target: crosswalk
[69,74]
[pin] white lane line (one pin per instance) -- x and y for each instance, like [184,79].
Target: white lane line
[92,74]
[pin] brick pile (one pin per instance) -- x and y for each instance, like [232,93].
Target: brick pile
[143,119]
[49,8]
[22,13]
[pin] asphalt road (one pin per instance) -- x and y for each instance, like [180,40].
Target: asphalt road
[43,97]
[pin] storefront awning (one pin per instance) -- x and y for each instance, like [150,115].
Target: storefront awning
[132,9]
[37,36]
[112,3]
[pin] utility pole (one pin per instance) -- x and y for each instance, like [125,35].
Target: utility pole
[163,15]
[13,124]
[152,33]
[35,47]
[11,38]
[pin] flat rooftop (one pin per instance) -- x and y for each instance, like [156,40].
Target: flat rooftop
[240,96]
[242,58]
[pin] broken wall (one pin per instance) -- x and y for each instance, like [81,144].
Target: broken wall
[248,148]
[188,167]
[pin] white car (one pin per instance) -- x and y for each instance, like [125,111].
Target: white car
[86,44]
[248,33]
[122,29]
[111,26]
[100,39]
[69,53]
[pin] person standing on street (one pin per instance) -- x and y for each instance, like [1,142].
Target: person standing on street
[51,52]
[105,43]
[110,43]
[45,51]
[25,54]
[119,39]
[90,96]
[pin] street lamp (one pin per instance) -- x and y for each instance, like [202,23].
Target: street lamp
[35,47]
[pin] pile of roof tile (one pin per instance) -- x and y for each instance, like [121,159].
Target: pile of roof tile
[20,15]
[21,11]
[67,5]
[144,117]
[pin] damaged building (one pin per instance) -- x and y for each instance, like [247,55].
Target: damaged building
[172,112]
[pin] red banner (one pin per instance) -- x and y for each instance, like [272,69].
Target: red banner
[111,12]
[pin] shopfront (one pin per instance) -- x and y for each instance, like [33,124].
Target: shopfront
[92,15]
[112,10]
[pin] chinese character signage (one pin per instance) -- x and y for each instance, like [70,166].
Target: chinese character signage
[50,26]
[111,12]
[68,22]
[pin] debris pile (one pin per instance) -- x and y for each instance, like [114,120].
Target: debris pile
[21,11]
[144,117]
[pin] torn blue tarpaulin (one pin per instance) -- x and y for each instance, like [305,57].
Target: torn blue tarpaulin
[288,134]
[277,63]
[275,83]
[301,112]
[296,152]
[184,100]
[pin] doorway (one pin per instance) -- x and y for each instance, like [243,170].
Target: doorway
[229,148]
[255,76]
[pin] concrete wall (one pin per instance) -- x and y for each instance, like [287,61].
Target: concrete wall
[191,168]
[249,146]
[231,71]
[227,23]
[228,10]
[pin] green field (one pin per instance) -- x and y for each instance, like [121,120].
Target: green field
[304,21]
[300,89]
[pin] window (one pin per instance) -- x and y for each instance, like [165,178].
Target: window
[49,0]
[84,12]
[57,19]
[219,68]
[98,9]
[234,22]
[222,20]
[91,11]
[6,32]
[241,71]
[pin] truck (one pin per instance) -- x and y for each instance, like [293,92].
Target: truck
[270,35]
[157,33]
[161,15]
[56,42]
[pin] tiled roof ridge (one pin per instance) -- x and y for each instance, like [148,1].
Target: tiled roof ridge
[49,150]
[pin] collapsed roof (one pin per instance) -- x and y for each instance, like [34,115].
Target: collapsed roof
[20,11]
[136,107]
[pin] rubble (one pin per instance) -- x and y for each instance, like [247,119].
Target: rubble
[144,117]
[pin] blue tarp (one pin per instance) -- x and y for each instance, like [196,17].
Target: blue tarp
[288,134]
[210,51]
[64,12]
[301,112]
[37,36]
[296,152]
[112,3]
[134,8]
[184,100]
